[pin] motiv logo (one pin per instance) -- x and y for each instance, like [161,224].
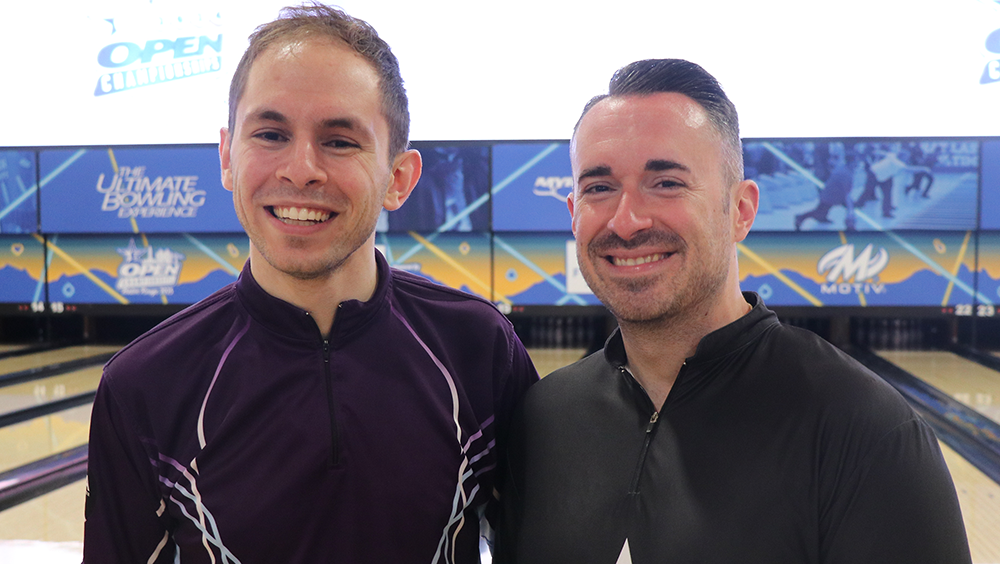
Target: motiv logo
[849,274]
[992,71]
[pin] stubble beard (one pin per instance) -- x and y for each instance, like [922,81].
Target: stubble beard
[637,300]
[325,265]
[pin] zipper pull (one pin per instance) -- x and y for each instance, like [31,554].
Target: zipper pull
[326,351]
[652,421]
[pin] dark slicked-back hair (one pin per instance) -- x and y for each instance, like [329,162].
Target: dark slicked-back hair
[653,76]
[319,21]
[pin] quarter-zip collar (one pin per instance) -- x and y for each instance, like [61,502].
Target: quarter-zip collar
[721,342]
[295,323]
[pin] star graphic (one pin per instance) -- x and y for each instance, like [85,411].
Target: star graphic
[131,252]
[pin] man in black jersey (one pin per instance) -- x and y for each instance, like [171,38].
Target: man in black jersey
[705,431]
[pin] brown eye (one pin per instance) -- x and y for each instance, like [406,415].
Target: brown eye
[270,136]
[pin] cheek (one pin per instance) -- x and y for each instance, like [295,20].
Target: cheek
[590,219]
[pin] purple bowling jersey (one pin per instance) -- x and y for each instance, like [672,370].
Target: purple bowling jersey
[234,432]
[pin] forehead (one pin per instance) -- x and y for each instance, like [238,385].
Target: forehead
[620,131]
[310,72]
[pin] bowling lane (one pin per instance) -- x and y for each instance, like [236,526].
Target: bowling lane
[979,497]
[43,390]
[45,530]
[547,360]
[45,358]
[43,436]
[7,347]
[56,517]
[968,382]
[974,386]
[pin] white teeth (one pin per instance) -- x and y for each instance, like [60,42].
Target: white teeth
[301,214]
[637,261]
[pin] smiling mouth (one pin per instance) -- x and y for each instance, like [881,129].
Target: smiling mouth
[299,216]
[639,260]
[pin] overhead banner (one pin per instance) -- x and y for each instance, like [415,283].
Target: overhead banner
[22,269]
[135,190]
[18,187]
[864,186]
[531,182]
[539,269]
[990,210]
[138,269]
[988,280]
[452,193]
[457,260]
[861,269]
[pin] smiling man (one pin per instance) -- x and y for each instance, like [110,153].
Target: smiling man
[325,407]
[705,431]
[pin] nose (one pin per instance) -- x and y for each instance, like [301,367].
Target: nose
[301,165]
[630,216]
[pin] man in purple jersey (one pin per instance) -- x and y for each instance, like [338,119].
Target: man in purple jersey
[323,408]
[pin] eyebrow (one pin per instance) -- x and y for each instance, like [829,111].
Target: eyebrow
[268,115]
[658,165]
[652,165]
[601,170]
[278,117]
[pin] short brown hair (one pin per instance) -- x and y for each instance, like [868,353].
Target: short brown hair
[324,21]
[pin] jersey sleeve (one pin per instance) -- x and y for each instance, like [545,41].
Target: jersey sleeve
[898,506]
[126,519]
[519,375]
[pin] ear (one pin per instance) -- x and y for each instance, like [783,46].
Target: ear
[744,208]
[569,204]
[406,170]
[224,161]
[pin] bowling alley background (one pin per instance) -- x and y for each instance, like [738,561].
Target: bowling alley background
[877,158]
[96,230]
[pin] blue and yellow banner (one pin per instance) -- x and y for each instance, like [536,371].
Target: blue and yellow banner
[133,190]
[142,269]
[22,269]
[861,269]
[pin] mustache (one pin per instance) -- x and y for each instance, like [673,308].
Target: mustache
[611,241]
[317,197]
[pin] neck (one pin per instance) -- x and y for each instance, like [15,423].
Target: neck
[657,349]
[355,279]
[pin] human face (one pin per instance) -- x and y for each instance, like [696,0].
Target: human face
[655,220]
[308,161]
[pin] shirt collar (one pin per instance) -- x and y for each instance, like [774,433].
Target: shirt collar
[294,322]
[720,342]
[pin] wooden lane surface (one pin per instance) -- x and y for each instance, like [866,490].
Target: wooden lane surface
[43,390]
[548,360]
[45,358]
[43,436]
[56,517]
[979,497]
[979,388]
[968,382]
